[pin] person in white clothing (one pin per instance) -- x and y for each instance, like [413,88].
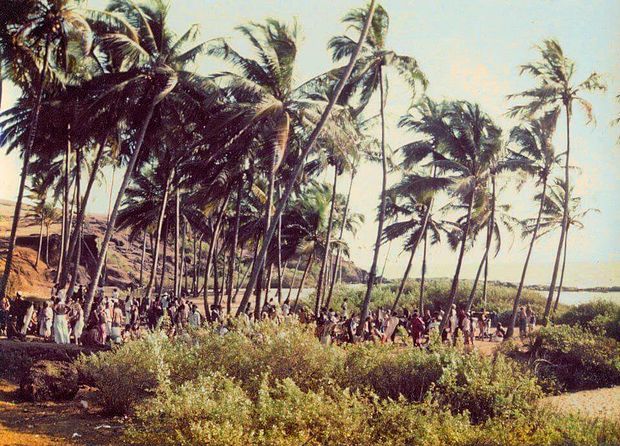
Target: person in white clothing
[195,319]
[27,318]
[61,329]
[45,323]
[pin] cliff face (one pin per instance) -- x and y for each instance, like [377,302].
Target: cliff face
[123,263]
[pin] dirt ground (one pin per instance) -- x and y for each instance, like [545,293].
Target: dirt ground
[42,424]
[598,403]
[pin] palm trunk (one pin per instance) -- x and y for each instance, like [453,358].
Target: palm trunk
[455,280]
[557,299]
[78,252]
[24,175]
[328,240]
[211,252]
[177,222]
[373,267]
[558,256]
[62,271]
[422,279]
[233,246]
[385,260]
[421,235]
[183,271]
[36,263]
[280,255]
[163,262]
[47,244]
[515,306]
[292,284]
[119,198]
[304,153]
[303,279]
[339,250]
[142,256]
[105,263]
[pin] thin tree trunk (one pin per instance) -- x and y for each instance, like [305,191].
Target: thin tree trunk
[292,284]
[47,244]
[328,240]
[66,225]
[36,263]
[119,198]
[24,175]
[373,267]
[158,236]
[558,256]
[142,256]
[339,250]
[387,256]
[216,285]
[422,279]
[211,252]
[280,254]
[163,261]
[183,263]
[303,279]
[177,222]
[515,306]
[233,246]
[557,299]
[301,160]
[455,280]
[78,252]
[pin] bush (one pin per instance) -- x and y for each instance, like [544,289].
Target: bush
[577,359]
[600,317]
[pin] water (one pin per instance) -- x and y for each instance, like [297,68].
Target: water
[582,297]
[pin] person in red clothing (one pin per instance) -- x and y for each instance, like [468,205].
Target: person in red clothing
[417,328]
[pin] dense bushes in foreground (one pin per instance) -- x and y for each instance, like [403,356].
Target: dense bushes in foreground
[576,359]
[277,385]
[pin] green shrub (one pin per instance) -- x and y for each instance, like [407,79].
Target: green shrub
[600,317]
[577,359]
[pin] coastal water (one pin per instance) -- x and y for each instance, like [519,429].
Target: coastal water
[581,297]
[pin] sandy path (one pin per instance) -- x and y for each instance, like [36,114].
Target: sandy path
[598,403]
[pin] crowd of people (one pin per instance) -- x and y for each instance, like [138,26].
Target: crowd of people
[115,318]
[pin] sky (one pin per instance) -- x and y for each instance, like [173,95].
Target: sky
[468,50]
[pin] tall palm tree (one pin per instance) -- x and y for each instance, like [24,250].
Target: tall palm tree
[533,154]
[153,75]
[368,78]
[50,27]
[306,148]
[556,89]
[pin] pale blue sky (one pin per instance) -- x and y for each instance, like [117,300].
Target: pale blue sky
[469,50]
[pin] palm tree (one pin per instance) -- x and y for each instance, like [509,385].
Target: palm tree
[533,154]
[556,89]
[298,167]
[552,219]
[368,78]
[152,75]
[48,31]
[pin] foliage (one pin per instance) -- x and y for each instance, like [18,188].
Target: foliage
[577,359]
[600,317]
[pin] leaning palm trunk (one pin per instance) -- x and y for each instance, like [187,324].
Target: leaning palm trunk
[162,277]
[142,256]
[292,284]
[211,253]
[119,198]
[515,305]
[301,160]
[233,246]
[455,280]
[78,253]
[82,213]
[564,221]
[413,250]
[339,250]
[36,263]
[373,267]
[177,222]
[328,240]
[66,225]
[557,298]
[24,175]
[303,279]
[422,279]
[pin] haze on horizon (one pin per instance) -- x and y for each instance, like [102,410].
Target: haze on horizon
[468,50]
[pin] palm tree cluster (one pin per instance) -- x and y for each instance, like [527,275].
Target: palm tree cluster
[227,169]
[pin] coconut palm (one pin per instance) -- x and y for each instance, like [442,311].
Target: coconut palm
[48,30]
[368,78]
[306,148]
[556,89]
[533,154]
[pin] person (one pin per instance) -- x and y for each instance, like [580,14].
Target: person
[116,323]
[77,320]
[417,328]
[5,307]
[531,319]
[482,324]
[195,318]
[27,318]
[61,330]
[468,329]
[45,321]
[128,305]
[345,307]
[115,295]
[453,323]
[100,321]
[500,331]
[522,323]
[286,307]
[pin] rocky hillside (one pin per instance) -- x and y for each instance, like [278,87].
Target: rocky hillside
[123,266]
